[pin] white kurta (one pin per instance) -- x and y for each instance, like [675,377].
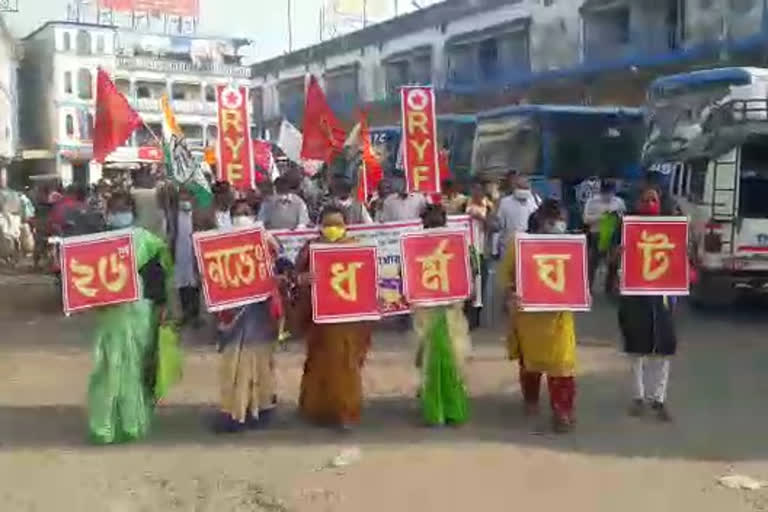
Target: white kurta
[184,273]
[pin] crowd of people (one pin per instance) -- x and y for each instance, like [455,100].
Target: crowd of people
[165,217]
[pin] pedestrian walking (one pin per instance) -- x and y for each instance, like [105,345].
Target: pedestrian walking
[601,219]
[284,209]
[121,387]
[247,337]
[542,342]
[331,386]
[648,328]
[443,346]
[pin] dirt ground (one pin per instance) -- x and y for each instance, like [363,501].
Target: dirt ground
[498,462]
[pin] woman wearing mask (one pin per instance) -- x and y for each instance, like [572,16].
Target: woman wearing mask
[331,387]
[443,338]
[542,342]
[247,337]
[648,329]
[120,392]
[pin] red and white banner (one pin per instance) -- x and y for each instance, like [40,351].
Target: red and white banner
[235,267]
[551,272]
[98,270]
[190,8]
[419,140]
[346,283]
[655,256]
[235,163]
[435,266]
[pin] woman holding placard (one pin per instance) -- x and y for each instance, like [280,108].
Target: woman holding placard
[648,329]
[542,342]
[331,387]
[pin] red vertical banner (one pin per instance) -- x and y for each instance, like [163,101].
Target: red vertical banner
[551,272]
[655,256]
[235,163]
[435,266]
[235,267]
[346,283]
[98,270]
[419,140]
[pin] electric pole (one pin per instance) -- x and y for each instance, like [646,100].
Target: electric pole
[290,28]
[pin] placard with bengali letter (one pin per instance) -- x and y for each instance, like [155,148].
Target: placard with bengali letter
[235,267]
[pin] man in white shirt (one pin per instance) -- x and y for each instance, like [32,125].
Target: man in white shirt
[402,205]
[284,209]
[596,207]
[515,210]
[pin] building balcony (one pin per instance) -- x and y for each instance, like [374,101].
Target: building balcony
[175,66]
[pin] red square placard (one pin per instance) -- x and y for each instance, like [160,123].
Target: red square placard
[235,267]
[436,267]
[345,286]
[551,272]
[98,270]
[655,256]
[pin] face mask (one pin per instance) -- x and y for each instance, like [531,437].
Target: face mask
[240,221]
[559,227]
[120,220]
[650,208]
[521,194]
[334,233]
[185,206]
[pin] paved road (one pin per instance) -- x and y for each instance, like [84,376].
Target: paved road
[498,462]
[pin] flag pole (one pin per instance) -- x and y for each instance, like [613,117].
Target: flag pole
[157,139]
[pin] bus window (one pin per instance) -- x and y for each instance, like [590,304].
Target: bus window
[753,188]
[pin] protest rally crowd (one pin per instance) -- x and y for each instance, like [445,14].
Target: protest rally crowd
[137,351]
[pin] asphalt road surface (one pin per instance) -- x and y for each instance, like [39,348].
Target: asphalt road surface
[498,462]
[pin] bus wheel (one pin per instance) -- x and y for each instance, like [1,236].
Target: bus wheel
[712,291]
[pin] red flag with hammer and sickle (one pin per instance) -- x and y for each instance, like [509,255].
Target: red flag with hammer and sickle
[323,134]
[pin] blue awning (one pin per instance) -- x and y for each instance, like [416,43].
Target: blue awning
[704,78]
[560,110]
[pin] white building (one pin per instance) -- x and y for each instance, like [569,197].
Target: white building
[9,66]
[58,79]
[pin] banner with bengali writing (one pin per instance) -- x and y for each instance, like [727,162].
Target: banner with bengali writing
[386,237]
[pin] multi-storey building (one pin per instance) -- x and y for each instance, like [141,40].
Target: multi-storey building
[58,80]
[481,54]
[9,66]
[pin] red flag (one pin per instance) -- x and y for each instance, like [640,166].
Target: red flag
[323,134]
[115,119]
[372,171]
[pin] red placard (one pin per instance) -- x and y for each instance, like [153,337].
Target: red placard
[551,272]
[235,267]
[346,283]
[235,164]
[655,256]
[435,266]
[420,151]
[98,270]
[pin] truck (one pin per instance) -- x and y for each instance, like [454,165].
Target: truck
[707,138]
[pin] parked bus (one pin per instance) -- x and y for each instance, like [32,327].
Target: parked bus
[559,147]
[454,131]
[708,138]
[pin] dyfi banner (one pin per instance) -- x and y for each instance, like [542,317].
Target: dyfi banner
[346,283]
[436,268]
[235,267]
[419,140]
[551,272]
[655,257]
[235,163]
[98,270]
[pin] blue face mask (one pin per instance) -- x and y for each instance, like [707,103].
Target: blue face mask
[120,220]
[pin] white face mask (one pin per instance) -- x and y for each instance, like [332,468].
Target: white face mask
[557,228]
[522,194]
[242,221]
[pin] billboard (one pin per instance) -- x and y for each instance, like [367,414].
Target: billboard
[190,8]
